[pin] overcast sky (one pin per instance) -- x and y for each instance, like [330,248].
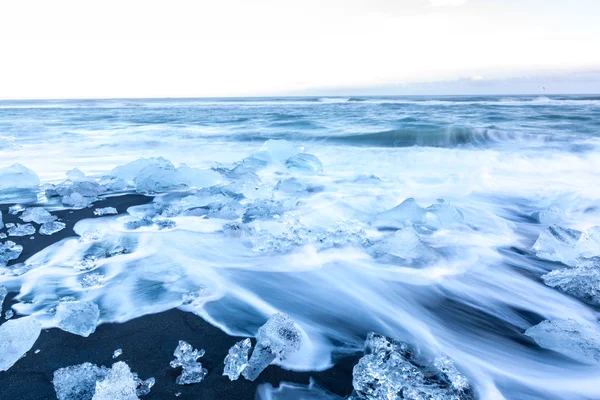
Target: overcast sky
[178,48]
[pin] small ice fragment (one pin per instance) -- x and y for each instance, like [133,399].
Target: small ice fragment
[17,336]
[89,236]
[9,250]
[117,353]
[21,230]
[105,211]
[50,228]
[3,293]
[9,314]
[276,339]
[404,246]
[143,387]
[92,279]
[588,245]
[38,215]
[87,263]
[291,186]
[78,382]
[446,215]
[138,223]
[237,359]
[569,337]
[3,235]
[185,357]
[36,351]
[304,163]
[119,384]
[1,222]
[582,282]
[552,215]
[557,244]
[165,223]
[406,213]
[77,317]
[14,210]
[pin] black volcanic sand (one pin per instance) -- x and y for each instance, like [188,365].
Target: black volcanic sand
[148,343]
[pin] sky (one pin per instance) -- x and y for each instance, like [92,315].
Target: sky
[180,48]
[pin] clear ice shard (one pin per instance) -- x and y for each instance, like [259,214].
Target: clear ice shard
[18,184]
[186,357]
[304,163]
[3,293]
[105,211]
[50,228]
[262,210]
[77,317]
[90,382]
[17,336]
[405,247]
[406,213]
[9,250]
[117,353]
[237,359]
[551,215]
[38,215]
[576,340]
[444,214]
[394,370]
[588,245]
[557,244]
[78,193]
[276,339]
[21,230]
[582,282]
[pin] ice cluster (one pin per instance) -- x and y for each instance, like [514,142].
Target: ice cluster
[91,382]
[77,317]
[394,370]
[574,339]
[17,336]
[9,250]
[237,359]
[408,213]
[186,357]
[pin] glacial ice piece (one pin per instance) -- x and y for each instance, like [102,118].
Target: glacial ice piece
[566,336]
[9,250]
[557,244]
[588,245]
[262,210]
[185,357]
[52,227]
[138,223]
[117,353]
[237,359]
[276,339]
[271,152]
[304,163]
[78,193]
[406,213]
[17,336]
[582,282]
[551,215]
[88,262]
[105,211]
[1,222]
[9,314]
[445,214]
[143,386]
[165,223]
[78,382]
[198,178]
[16,209]
[38,215]
[76,174]
[21,230]
[404,246]
[92,279]
[18,183]
[118,384]
[3,293]
[394,370]
[77,317]
[291,186]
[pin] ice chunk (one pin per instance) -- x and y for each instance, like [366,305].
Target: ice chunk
[445,214]
[391,369]
[237,359]
[199,178]
[9,314]
[262,209]
[92,279]
[9,251]
[21,230]
[1,222]
[50,228]
[185,357]
[17,336]
[105,211]
[79,194]
[552,215]
[557,244]
[18,183]
[78,382]
[276,339]
[588,245]
[581,282]
[165,223]
[304,163]
[119,384]
[143,387]
[38,215]
[406,213]
[404,246]
[16,209]
[566,336]
[117,353]
[138,223]
[77,317]
[3,293]
[291,186]
[272,151]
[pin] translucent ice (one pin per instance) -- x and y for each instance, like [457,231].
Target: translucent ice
[9,314]
[557,244]
[588,245]
[16,209]
[18,183]
[569,337]
[3,293]
[237,359]
[290,186]
[21,230]
[551,215]
[118,384]
[38,215]
[78,382]
[304,163]
[262,209]
[444,214]
[78,194]
[17,336]
[1,222]
[117,353]
[9,250]
[407,212]
[404,246]
[186,357]
[394,370]
[581,282]
[105,211]
[276,339]
[52,227]
[77,317]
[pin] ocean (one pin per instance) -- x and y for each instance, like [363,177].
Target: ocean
[454,224]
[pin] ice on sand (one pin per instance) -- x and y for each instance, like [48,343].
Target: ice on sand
[577,340]
[404,246]
[276,339]
[17,336]
[186,357]
[391,369]
[21,230]
[304,163]
[557,244]
[50,228]
[77,317]
[91,382]
[105,211]
[79,193]
[9,250]
[237,359]
[38,215]
[18,183]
